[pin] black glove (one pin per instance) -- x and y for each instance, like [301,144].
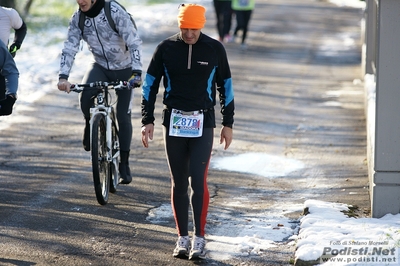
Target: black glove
[6,105]
[13,48]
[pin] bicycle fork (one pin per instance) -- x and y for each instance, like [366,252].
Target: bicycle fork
[105,111]
[111,145]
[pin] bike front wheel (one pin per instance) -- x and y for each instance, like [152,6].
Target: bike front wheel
[115,155]
[100,165]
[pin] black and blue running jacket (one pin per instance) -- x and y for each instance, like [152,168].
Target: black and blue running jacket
[192,74]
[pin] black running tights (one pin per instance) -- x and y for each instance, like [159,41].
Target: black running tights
[189,157]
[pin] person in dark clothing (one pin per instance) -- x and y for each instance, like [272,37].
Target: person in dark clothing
[243,10]
[193,67]
[223,14]
[117,56]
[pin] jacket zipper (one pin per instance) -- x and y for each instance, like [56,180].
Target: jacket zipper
[102,47]
[189,57]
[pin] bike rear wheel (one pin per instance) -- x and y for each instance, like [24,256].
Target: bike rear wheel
[100,165]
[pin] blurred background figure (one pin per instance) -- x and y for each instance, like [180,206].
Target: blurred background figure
[10,19]
[10,75]
[223,12]
[242,10]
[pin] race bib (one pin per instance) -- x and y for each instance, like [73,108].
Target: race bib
[243,2]
[186,124]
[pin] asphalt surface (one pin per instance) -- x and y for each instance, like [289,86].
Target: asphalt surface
[295,97]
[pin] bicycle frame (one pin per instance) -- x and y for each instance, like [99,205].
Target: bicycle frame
[105,150]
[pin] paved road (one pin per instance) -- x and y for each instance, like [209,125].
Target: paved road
[295,98]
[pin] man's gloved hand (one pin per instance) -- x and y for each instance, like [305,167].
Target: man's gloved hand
[13,48]
[7,104]
[135,80]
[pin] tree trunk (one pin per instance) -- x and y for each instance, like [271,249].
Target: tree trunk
[27,7]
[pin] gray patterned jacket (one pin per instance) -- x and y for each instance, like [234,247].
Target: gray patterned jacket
[111,50]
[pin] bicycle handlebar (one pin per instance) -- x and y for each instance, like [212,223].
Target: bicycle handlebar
[117,85]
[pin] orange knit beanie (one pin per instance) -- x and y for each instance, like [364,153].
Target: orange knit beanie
[191,16]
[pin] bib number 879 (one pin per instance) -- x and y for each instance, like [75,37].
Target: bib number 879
[186,122]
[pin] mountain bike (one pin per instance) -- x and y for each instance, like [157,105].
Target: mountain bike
[104,142]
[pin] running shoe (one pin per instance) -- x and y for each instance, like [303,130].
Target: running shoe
[197,251]
[182,247]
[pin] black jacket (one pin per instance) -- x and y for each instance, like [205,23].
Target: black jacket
[192,74]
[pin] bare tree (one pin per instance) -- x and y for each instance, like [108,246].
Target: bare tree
[27,7]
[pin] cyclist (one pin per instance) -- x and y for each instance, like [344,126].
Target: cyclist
[117,56]
[193,67]
[9,73]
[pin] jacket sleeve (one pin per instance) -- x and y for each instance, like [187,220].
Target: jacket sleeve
[225,89]
[15,18]
[20,35]
[71,46]
[8,69]
[18,25]
[129,34]
[151,85]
